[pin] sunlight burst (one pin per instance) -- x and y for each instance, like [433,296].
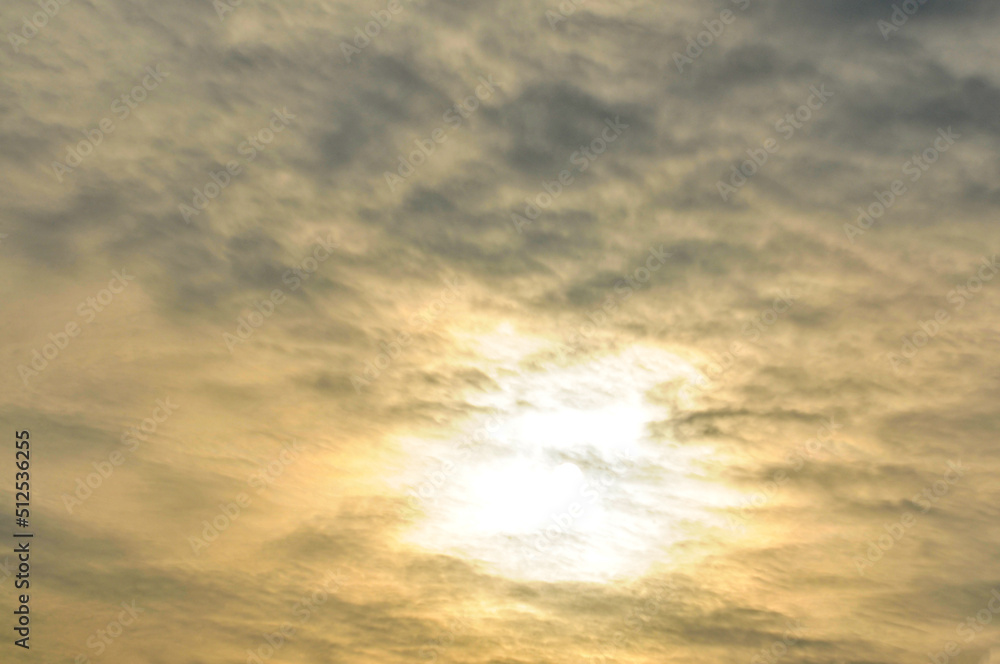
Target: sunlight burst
[568,479]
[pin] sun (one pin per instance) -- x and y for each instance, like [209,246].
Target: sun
[567,478]
[515,497]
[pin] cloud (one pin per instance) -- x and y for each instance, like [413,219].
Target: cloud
[530,309]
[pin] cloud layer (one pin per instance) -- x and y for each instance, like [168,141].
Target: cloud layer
[370,229]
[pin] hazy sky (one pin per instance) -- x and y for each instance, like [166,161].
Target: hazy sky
[507,333]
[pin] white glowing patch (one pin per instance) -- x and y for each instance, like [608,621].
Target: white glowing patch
[617,426]
[515,497]
[566,480]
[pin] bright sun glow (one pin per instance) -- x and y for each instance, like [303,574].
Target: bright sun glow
[539,492]
[567,479]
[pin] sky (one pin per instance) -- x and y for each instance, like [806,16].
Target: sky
[502,333]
